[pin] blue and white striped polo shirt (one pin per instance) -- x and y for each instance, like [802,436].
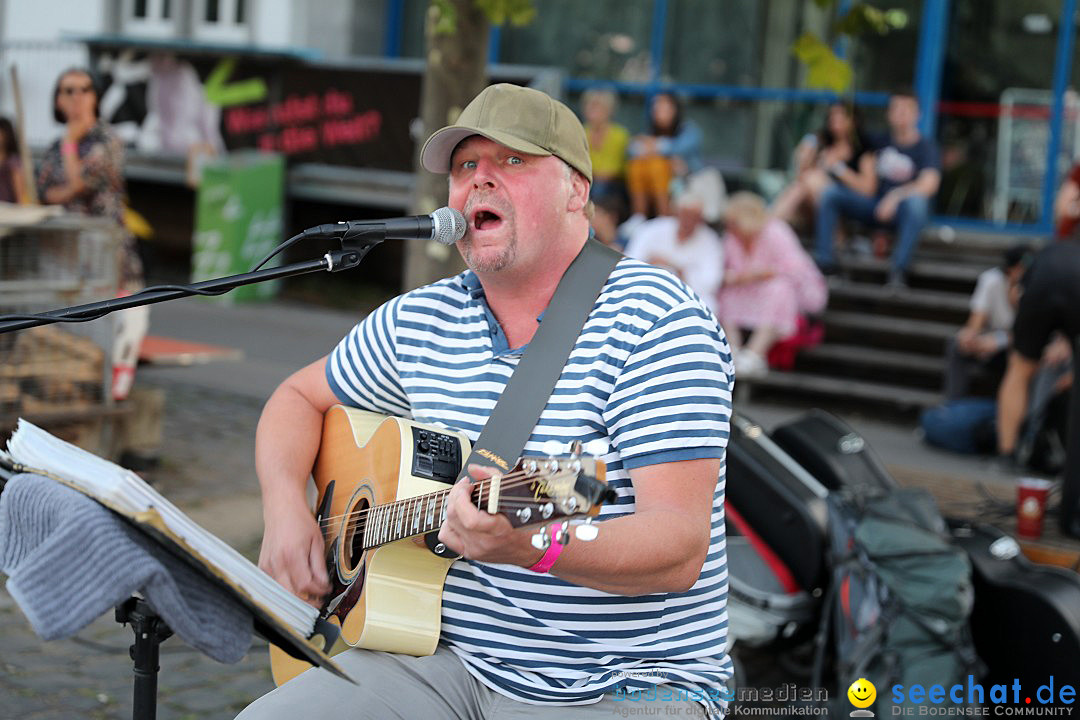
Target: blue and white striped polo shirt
[650,377]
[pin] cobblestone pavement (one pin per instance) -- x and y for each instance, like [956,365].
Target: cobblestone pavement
[206,468]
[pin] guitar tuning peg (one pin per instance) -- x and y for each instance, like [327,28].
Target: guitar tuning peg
[541,539]
[564,536]
[552,448]
[575,448]
[586,531]
[596,447]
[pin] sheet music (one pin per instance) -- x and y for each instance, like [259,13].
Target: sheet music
[33,447]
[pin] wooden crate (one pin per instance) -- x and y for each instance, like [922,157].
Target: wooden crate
[48,370]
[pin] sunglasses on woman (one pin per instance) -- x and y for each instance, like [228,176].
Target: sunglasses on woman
[76,90]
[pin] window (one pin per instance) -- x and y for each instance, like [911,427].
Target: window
[601,39]
[994,117]
[148,18]
[714,43]
[222,21]
[884,63]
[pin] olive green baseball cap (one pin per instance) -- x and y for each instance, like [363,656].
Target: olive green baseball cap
[520,118]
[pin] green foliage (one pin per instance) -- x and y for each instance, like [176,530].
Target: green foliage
[864,18]
[498,12]
[823,68]
[516,12]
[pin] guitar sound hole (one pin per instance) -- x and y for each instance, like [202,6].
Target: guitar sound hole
[354,537]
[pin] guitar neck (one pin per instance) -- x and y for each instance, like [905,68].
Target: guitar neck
[387,523]
[534,491]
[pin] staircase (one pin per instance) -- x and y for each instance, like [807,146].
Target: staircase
[884,349]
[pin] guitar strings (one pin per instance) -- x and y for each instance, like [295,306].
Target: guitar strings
[516,479]
[480,485]
[356,517]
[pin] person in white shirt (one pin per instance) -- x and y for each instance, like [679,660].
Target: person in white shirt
[982,344]
[685,245]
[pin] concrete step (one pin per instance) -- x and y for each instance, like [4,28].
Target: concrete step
[938,246]
[952,272]
[970,242]
[926,304]
[877,324]
[886,332]
[839,355]
[837,390]
[855,362]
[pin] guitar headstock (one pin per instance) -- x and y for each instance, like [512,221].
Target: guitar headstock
[546,489]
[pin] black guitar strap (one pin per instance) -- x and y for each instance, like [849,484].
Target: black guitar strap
[515,414]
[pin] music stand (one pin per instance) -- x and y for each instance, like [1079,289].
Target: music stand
[149,628]
[150,631]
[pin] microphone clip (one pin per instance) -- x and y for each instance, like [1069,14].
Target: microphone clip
[356,242]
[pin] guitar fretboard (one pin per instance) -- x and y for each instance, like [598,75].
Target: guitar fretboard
[414,516]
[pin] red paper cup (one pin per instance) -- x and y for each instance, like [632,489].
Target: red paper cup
[1031,506]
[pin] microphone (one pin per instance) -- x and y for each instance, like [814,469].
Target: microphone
[445,225]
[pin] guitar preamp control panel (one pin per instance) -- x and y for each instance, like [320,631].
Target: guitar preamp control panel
[436,455]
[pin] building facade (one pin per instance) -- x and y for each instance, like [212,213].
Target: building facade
[993,76]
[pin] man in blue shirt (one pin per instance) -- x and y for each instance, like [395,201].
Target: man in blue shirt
[525,632]
[892,188]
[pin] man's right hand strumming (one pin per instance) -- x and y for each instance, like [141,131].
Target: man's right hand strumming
[293,552]
[286,443]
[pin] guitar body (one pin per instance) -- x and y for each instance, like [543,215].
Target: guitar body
[390,597]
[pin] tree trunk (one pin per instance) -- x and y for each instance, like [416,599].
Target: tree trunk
[456,72]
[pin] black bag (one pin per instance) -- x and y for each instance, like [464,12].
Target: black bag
[1041,445]
[833,453]
[783,503]
[1026,619]
[765,604]
[901,596]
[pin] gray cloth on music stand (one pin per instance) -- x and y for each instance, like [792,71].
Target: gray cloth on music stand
[69,560]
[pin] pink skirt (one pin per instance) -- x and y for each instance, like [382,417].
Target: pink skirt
[775,302]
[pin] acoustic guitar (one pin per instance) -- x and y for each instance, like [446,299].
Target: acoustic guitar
[382,486]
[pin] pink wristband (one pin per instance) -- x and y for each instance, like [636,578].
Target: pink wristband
[68,147]
[554,550]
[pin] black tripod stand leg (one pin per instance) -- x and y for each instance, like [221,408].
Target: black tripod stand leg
[150,631]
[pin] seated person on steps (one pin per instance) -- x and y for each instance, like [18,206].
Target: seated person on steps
[671,149]
[607,144]
[982,345]
[892,188]
[769,281]
[840,140]
[649,380]
[685,245]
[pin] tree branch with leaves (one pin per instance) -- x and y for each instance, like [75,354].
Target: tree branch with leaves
[824,68]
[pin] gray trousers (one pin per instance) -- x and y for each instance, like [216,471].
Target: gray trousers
[437,687]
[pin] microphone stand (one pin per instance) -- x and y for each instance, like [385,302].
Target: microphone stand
[352,251]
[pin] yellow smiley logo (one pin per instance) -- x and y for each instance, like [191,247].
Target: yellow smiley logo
[862,693]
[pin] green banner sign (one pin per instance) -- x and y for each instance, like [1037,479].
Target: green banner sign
[238,219]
